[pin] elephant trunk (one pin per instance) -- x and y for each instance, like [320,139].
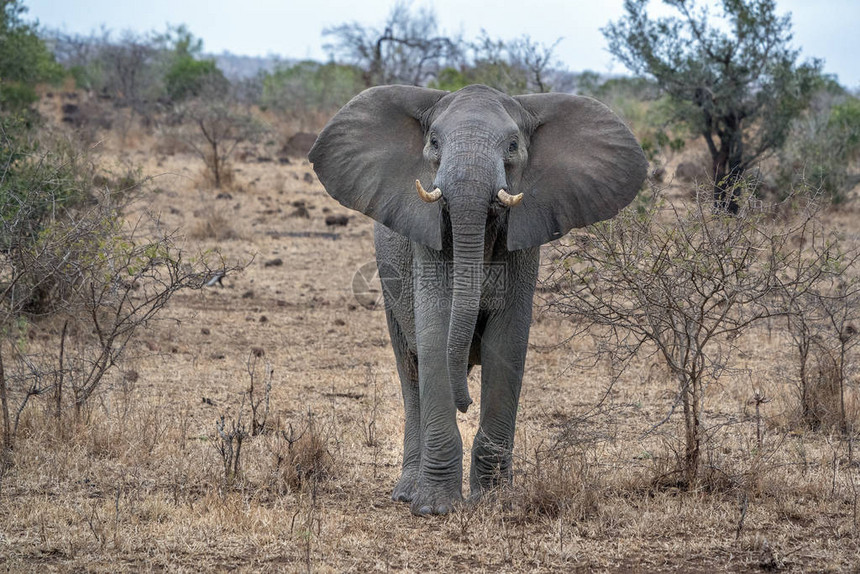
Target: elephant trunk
[468,225]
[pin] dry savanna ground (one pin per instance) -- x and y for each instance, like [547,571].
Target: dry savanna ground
[141,482]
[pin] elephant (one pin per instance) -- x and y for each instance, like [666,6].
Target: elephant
[459,263]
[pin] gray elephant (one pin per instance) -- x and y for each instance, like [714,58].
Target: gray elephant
[459,263]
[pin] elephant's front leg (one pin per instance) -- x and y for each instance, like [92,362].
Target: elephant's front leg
[441,469]
[504,343]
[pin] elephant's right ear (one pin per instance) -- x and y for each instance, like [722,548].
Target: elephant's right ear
[371,152]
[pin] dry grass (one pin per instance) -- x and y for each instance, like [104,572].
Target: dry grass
[211,223]
[140,483]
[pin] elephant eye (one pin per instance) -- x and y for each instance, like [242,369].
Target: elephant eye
[513,147]
[434,143]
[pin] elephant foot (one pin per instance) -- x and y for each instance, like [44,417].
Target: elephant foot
[494,497]
[436,499]
[406,487]
[479,489]
[477,495]
[489,475]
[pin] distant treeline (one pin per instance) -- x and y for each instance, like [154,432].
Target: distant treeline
[136,68]
[740,87]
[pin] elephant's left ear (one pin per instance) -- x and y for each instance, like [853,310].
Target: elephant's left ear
[584,166]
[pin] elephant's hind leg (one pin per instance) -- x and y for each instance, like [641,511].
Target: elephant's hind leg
[407,368]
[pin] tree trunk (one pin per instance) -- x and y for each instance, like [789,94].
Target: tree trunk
[216,167]
[4,404]
[845,425]
[691,399]
[726,177]
[727,165]
[58,395]
[807,412]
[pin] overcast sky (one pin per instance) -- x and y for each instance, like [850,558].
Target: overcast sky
[825,29]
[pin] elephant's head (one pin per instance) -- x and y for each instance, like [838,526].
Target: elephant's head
[547,162]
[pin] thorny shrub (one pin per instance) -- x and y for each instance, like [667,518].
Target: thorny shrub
[303,457]
[683,282]
[71,265]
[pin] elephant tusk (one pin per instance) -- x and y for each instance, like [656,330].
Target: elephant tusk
[428,197]
[509,200]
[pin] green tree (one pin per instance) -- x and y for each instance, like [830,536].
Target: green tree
[187,77]
[734,79]
[308,86]
[187,74]
[452,79]
[24,59]
[824,144]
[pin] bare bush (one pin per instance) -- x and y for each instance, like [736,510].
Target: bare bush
[685,283]
[212,126]
[258,399]
[303,457]
[518,66]
[70,257]
[230,437]
[112,285]
[407,49]
[822,323]
[212,224]
[557,481]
